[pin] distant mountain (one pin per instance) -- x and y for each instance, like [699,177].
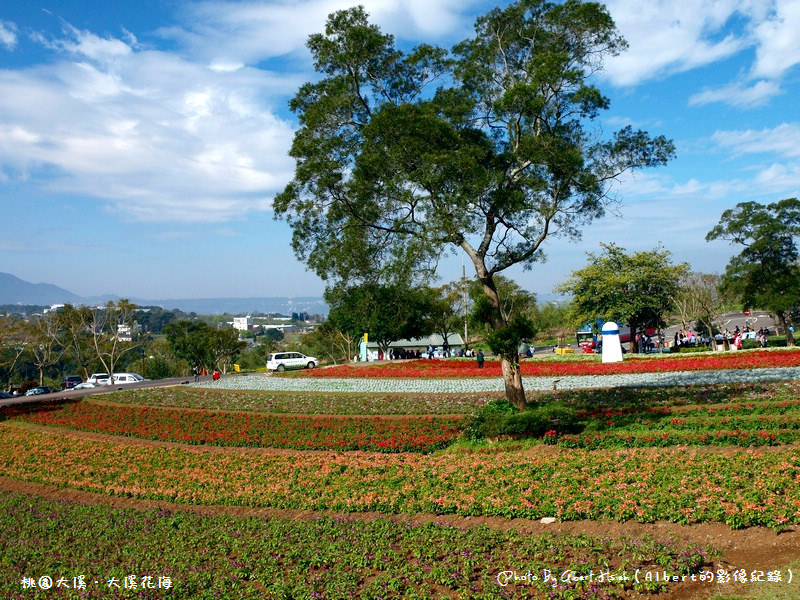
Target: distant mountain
[313,305]
[14,290]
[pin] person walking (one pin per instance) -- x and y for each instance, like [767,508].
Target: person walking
[196,372]
[480,358]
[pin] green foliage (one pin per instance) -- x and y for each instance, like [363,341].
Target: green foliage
[188,340]
[160,367]
[198,344]
[273,334]
[153,319]
[506,340]
[637,289]
[514,301]
[772,342]
[766,274]
[253,358]
[500,418]
[386,312]
[446,312]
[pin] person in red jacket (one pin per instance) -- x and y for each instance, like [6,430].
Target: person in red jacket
[215,375]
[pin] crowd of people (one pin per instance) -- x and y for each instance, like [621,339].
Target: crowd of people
[688,338]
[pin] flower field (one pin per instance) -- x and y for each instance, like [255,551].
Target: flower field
[400,434]
[286,558]
[739,489]
[308,403]
[212,472]
[582,365]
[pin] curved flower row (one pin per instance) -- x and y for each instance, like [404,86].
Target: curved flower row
[739,488]
[468,385]
[396,434]
[592,366]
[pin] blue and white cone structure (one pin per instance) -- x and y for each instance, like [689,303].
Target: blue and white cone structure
[612,348]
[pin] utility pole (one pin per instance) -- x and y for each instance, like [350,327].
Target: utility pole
[464,289]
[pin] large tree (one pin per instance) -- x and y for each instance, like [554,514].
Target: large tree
[446,313]
[636,289]
[386,312]
[766,274]
[190,341]
[490,149]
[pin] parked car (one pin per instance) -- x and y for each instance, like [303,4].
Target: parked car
[290,360]
[70,381]
[127,378]
[39,390]
[4,395]
[86,385]
[98,379]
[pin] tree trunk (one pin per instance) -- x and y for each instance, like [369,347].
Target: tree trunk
[633,326]
[512,376]
[512,379]
[782,320]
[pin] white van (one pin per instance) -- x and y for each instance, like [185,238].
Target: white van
[98,379]
[290,360]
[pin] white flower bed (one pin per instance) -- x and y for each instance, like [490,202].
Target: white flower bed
[445,386]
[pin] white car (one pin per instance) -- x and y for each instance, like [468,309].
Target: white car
[86,385]
[290,360]
[127,378]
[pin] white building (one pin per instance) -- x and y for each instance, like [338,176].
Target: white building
[125,333]
[243,323]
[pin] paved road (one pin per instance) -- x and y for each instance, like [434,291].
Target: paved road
[104,389]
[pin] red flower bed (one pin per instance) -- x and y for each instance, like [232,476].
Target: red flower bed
[462,368]
[395,434]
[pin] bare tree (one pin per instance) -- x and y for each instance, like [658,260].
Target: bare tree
[43,342]
[702,298]
[111,327]
[12,343]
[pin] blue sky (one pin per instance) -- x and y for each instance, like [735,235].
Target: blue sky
[141,143]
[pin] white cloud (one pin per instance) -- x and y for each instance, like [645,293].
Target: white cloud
[780,179]
[186,135]
[778,40]
[153,135]
[234,32]
[781,140]
[738,94]
[8,34]
[672,36]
